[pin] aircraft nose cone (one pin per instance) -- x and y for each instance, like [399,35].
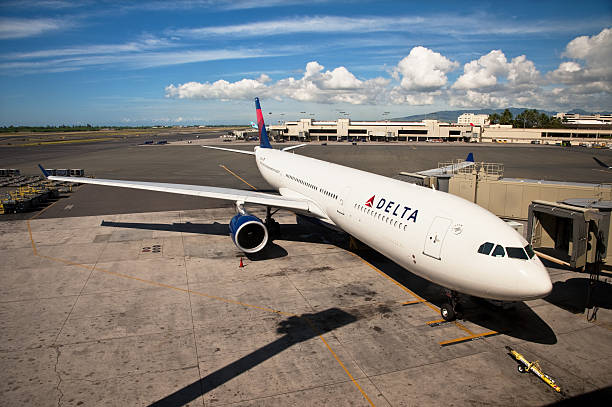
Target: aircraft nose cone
[535,282]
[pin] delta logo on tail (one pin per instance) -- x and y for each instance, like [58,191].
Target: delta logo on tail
[394,208]
[263,135]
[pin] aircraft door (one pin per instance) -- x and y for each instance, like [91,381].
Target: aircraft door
[435,237]
[343,200]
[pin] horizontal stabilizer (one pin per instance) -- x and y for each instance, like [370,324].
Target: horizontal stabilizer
[231,149]
[294,147]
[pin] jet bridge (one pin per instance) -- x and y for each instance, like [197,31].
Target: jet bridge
[574,233]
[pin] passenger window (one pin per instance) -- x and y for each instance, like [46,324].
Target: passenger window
[516,253]
[485,248]
[498,252]
[529,251]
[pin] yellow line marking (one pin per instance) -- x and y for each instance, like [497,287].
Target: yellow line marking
[237,176]
[467,338]
[413,302]
[42,210]
[424,301]
[226,300]
[435,321]
[339,361]
[30,228]
[419,299]
[462,327]
[31,238]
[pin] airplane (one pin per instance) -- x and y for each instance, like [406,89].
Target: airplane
[449,169]
[601,163]
[438,236]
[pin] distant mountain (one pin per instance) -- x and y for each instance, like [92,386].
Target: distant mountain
[580,111]
[452,115]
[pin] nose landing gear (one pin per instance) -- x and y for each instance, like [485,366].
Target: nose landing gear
[451,309]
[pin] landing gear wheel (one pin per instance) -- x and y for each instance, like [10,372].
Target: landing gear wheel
[521,368]
[450,310]
[447,312]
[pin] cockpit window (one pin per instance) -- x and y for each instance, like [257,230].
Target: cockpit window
[485,248]
[516,253]
[529,251]
[498,252]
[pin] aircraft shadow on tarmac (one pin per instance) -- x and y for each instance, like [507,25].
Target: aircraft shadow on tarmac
[303,232]
[294,330]
[573,294]
[519,322]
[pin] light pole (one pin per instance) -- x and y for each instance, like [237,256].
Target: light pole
[386,118]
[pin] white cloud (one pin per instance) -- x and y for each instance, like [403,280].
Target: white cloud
[591,70]
[493,81]
[316,24]
[483,72]
[136,60]
[473,98]
[11,28]
[316,85]
[424,70]
[221,89]
[594,50]
[147,43]
[522,71]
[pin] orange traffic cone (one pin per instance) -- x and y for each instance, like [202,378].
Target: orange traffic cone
[241,265]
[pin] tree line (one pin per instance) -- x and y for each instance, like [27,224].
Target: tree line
[529,118]
[16,129]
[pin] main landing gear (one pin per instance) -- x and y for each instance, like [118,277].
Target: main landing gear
[451,309]
[272,225]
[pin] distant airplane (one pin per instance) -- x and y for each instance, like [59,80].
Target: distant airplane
[438,236]
[452,168]
[602,163]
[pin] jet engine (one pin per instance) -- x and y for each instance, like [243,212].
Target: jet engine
[248,232]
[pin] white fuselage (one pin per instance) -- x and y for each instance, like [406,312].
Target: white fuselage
[433,234]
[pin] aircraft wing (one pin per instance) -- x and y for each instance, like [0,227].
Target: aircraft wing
[229,194]
[449,169]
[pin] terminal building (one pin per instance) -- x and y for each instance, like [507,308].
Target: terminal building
[344,129]
[472,119]
[582,119]
[347,130]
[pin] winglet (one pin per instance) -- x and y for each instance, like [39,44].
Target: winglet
[45,173]
[470,158]
[264,142]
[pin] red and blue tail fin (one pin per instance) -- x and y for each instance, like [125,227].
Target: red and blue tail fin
[264,142]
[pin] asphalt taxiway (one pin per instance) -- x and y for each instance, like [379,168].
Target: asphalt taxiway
[124,301]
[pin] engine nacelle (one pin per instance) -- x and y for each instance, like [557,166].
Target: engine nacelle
[248,232]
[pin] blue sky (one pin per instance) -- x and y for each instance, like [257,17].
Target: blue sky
[202,62]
